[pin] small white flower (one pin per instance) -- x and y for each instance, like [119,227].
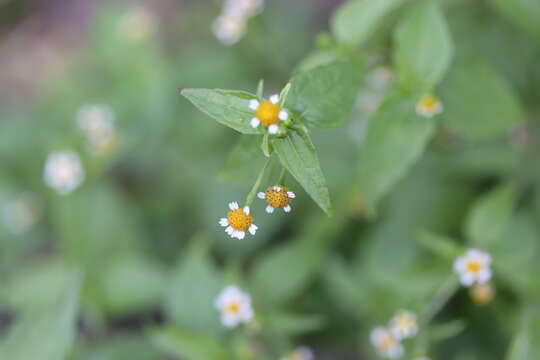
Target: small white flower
[97,123]
[229,29]
[238,221]
[386,343]
[473,268]
[235,306]
[243,8]
[300,353]
[20,214]
[268,113]
[277,197]
[63,172]
[137,25]
[429,106]
[404,325]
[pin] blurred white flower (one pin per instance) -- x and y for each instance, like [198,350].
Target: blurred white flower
[386,343]
[229,29]
[473,268]
[137,26]
[21,213]
[268,113]
[238,221]
[300,353]
[63,172]
[429,106]
[404,325]
[277,197]
[97,123]
[235,306]
[242,8]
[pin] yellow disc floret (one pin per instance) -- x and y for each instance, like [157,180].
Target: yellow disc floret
[277,196]
[268,113]
[239,220]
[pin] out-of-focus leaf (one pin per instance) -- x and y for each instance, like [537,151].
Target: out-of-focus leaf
[297,154]
[424,46]
[526,342]
[118,348]
[489,215]
[243,162]
[228,107]
[442,332]
[442,246]
[45,333]
[317,58]
[289,324]
[194,285]
[324,96]
[355,21]
[478,102]
[525,13]
[396,137]
[188,345]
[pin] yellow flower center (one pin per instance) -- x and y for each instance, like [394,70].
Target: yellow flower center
[268,113]
[429,102]
[233,307]
[239,220]
[474,266]
[404,322]
[277,198]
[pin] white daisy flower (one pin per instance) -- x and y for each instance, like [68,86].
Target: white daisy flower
[238,221]
[63,172]
[300,353]
[97,123]
[137,26]
[235,306]
[473,268]
[386,343]
[404,325]
[229,29]
[20,214]
[268,113]
[277,197]
[429,106]
[482,294]
[243,8]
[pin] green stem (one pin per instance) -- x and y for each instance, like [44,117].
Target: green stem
[253,192]
[281,180]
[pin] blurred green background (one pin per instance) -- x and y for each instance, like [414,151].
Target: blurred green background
[127,266]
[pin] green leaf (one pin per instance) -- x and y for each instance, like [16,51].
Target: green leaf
[424,47]
[355,21]
[489,216]
[45,333]
[324,96]
[444,247]
[478,102]
[243,162]
[526,342]
[289,324]
[396,137]
[228,107]
[297,154]
[188,345]
[524,13]
[194,285]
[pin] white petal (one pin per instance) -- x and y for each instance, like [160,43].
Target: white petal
[233,205]
[287,208]
[274,99]
[273,129]
[246,210]
[253,104]
[484,276]
[252,229]
[467,279]
[261,195]
[283,115]
[223,222]
[240,235]
[254,122]
[229,230]
[459,265]
[277,188]
[291,195]
[228,320]
[269,209]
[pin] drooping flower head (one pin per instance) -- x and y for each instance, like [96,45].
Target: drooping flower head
[238,221]
[235,306]
[473,268]
[482,294]
[277,197]
[268,113]
[63,172]
[429,106]
[229,29]
[386,344]
[404,325]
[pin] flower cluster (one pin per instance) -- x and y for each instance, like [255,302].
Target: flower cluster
[387,340]
[136,26]
[21,213]
[234,306]
[229,27]
[63,172]
[474,267]
[96,121]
